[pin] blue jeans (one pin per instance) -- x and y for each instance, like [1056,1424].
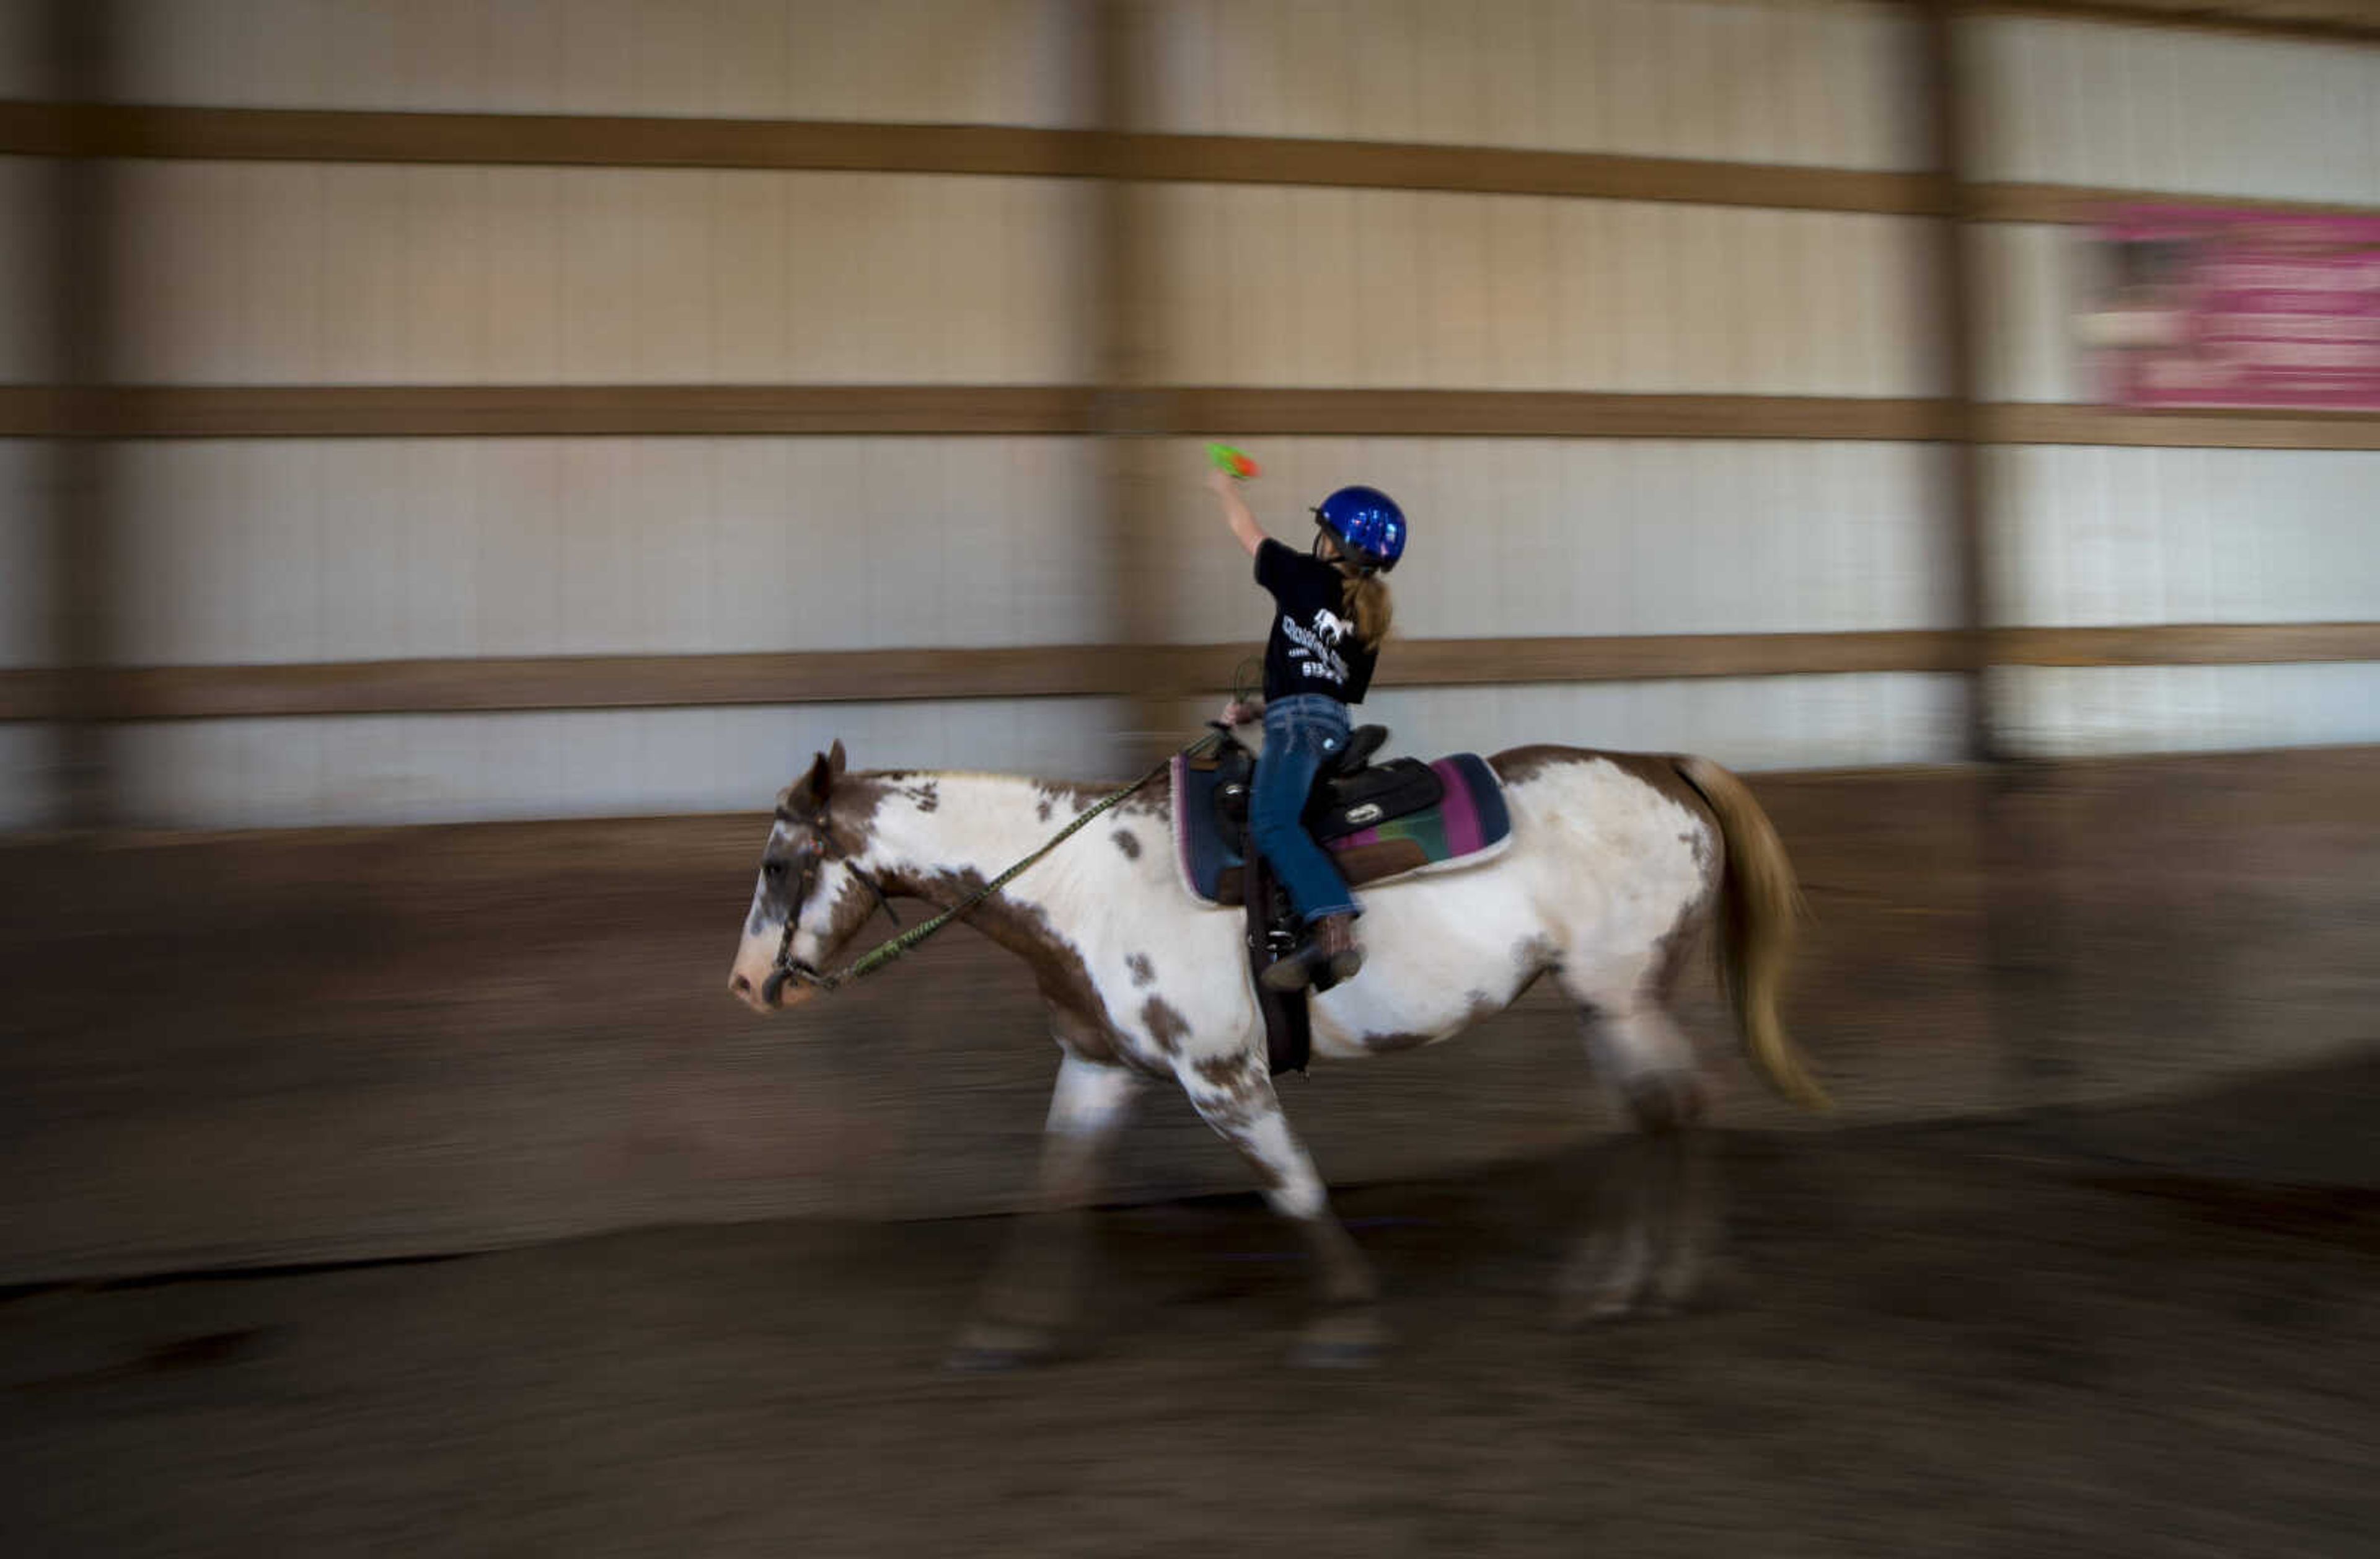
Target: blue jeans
[1300,732]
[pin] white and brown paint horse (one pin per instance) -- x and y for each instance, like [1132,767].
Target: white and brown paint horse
[1618,863]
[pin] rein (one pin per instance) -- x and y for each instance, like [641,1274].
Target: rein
[790,969]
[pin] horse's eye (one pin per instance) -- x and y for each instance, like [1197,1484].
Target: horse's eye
[773,870]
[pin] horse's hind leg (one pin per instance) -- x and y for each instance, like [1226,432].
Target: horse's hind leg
[1032,1297]
[1236,1098]
[1643,1250]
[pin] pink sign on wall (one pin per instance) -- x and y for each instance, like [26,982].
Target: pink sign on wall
[2211,306]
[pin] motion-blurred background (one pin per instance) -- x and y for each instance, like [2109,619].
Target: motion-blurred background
[459,457]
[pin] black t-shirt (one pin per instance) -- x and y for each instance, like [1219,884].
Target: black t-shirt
[1312,647]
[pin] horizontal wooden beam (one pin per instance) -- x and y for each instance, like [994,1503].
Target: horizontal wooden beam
[466,686]
[447,686]
[1544,414]
[2045,423]
[960,410]
[425,687]
[2077,204]
[38,411]
[2332,21]
[629,411]
[1442,663]
[542,410]
[537,139]
[1495,170]
[591,140]
[1483,662]
[2186,644]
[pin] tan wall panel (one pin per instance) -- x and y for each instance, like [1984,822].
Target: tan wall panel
[1390,288]
[307,273]
[27,636]
[1005,62]
[2175,109]
[1536,536]
[1804,82]
[25,49]
[2058,712]
[445,768]
[2031,278]
[27,190]
[293,550]
[2095,536]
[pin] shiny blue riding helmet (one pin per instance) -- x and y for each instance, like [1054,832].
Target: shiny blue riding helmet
[1367,526]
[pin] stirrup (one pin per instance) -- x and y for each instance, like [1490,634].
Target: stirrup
[1291,973]
[1307,967]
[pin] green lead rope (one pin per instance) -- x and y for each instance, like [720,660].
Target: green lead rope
[887,952]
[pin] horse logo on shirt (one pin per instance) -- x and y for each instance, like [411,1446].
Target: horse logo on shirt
[1331,627]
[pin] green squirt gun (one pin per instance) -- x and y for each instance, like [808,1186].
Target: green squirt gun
[1231,462]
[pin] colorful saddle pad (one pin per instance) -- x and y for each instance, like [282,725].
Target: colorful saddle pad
[1392,828]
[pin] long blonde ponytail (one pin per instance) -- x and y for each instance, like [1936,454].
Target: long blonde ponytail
[1369,604]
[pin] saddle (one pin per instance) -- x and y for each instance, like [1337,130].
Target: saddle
[1380,823]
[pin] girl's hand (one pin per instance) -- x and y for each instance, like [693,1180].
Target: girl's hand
[1222,484]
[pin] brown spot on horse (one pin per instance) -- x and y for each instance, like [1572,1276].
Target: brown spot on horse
[1166,1026]
[1231,1073]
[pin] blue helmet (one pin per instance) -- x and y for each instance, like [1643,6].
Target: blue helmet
[1369,526]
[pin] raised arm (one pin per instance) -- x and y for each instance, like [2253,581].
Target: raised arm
[1244,525]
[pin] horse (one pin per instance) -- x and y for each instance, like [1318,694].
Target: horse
[1618,865]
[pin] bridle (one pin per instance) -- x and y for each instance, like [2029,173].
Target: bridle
[787,968]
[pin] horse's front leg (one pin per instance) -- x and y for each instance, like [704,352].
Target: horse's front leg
[1031,1300]
[1235,1095]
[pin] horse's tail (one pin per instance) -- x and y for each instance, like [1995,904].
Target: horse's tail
[1759,902]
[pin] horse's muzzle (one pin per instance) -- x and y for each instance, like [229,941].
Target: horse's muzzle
[772,992]
[759,998]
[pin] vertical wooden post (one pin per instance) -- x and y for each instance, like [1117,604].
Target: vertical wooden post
[1942,77]
[2017,811]
[1126,346]
[83,542]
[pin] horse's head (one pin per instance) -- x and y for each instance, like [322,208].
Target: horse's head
[810,898]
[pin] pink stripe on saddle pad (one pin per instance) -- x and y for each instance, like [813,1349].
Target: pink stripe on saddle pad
[1460,810]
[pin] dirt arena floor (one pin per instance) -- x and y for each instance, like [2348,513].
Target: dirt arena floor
[2150,1330]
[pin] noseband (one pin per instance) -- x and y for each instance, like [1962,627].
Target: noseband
[789,970]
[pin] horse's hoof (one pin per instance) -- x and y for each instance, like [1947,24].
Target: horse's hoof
[1575,1313]
[1334,1356]
[1352,1341]
[994,1347]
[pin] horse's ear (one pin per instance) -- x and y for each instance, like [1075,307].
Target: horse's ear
[809,792]
[834,757]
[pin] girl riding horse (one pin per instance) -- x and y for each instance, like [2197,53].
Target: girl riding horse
[1332,609]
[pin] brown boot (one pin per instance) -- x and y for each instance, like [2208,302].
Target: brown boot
[1330,945]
